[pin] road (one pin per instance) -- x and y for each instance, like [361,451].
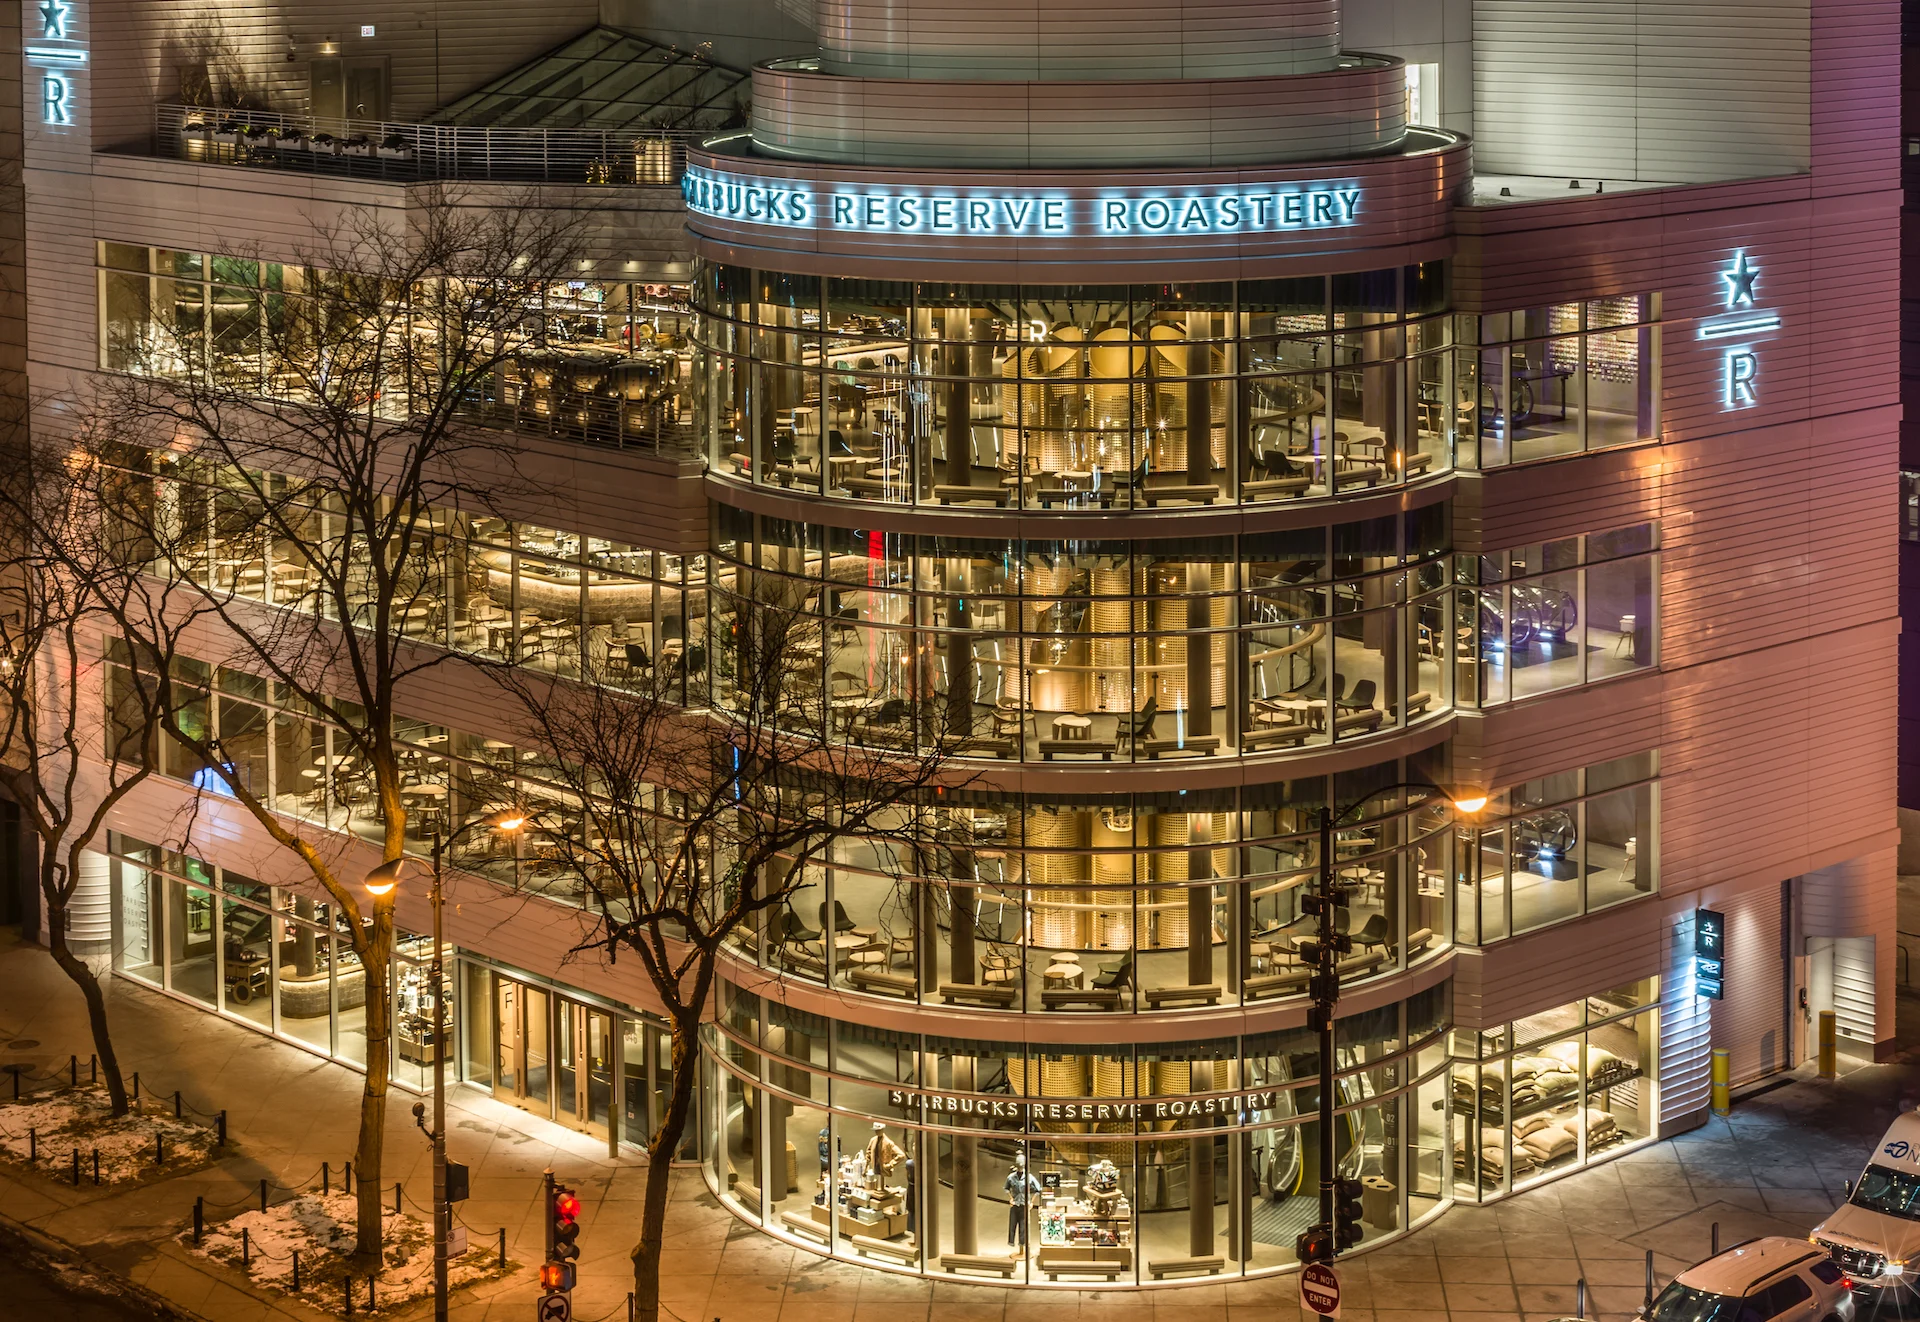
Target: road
[29,1292]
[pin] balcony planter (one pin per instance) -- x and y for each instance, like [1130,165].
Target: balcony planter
[396,148]
[289,140]
[257,135]
[359,146]
[196,128]
[325,144]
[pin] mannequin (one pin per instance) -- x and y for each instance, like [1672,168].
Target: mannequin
[882,1155]
[1021,1186]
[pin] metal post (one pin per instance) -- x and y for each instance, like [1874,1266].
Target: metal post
[326,1176]
[76,1168]
[346,1288]
[1580,1297]
[246,1249]
[159,1149]
[199,1217]
[176,1103]
[396,1197]
[1327,1157]
[220,1128]
[263,1195]
[73,1071]
[1649,1300]
[1714,1252]
[136,1090]
[346,1177]
[296,1271]
[503,1248]
[441,1211]
[96,1165]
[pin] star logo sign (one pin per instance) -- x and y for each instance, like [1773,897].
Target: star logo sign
[53,18]
[1740,277]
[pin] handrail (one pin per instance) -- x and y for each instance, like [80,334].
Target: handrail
[386,149]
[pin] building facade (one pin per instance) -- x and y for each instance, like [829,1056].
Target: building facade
[1189,422]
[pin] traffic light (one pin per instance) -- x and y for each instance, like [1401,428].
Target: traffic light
[556,1276]
[566,1225]
[1314,1244]
[1346,1212]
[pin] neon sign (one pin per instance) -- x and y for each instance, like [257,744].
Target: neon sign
[1739,363]
[966,213]
[1709,953]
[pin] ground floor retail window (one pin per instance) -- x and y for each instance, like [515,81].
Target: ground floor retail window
[1548,1093]
[1069,1165]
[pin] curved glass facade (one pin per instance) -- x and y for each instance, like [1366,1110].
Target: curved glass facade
[1101,649]
[1142,1161]
[1112,904]
[1083,397]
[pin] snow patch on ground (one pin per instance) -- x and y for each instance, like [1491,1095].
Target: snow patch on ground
[320,1227]
[82,1119]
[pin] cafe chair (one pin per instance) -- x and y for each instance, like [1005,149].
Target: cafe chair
[841,922]
[1114,976]
[1139,726]
[1374,932]
[1359,700]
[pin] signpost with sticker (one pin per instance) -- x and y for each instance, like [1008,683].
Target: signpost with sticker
[1320,1290]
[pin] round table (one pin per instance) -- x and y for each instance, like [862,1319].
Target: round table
[1072,727]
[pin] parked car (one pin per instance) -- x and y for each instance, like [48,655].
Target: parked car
[1774,1279]
[1875,1235]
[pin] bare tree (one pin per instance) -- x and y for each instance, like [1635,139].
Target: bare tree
[685,830]
[311,459]
[69,579]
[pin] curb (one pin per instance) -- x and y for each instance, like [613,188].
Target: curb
[90,1277]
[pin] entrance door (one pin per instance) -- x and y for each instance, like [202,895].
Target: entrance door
[340,90]
[584,1082]
[520,1048]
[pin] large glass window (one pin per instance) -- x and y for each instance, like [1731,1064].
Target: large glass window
[1084,398]
[1561,846]
[1067,1164]
[1537,619]
[1558,380]
[1094,650]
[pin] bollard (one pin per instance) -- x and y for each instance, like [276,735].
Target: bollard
[220,1128]
[629,1306]
[396,1198]
[1829,1045]
[96,1166]
[159,1149]
[263,1195]
[371,1304]
[1722,1093]
[296,1271]
[246,1250]
[1714,1250]
[33,1140]
[1649,1302]
[73,1071]
[503,1248]
[346,1177]
[199,1217]
[136,1090]
[346,1286]
[325,1176]
[176,1103]
[1580,1297]
[76,1168]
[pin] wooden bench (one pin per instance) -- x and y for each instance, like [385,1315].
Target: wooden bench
[979,745]
[1055,1268]
[978,1262]
[953,495]
[868,978]
[1104,747]
[1418,462]
[1159,1268]
[876,489]
[1366,718]
[1262,735]
[1206,745]
[1199,495]
[1354,965]
[1418,702]
[1265,487]
[1370,474]
[979,993]
[1159,996]
[1098,998]
[886,1248]
[1048,497]
[804,1223]
[1276,984]
[1419,941]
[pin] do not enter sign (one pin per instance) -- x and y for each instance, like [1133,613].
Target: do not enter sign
[1320,1290]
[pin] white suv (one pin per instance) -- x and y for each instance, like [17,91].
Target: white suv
[1763,1280]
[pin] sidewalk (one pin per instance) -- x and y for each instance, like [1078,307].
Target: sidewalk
[1775,1167]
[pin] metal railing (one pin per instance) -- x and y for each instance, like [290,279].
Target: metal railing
[384,150]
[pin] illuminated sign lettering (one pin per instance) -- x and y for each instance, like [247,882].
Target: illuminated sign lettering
[1094,1111]
[56,98]
[1739,363]
[1709,953]
[54,17]
[963,213]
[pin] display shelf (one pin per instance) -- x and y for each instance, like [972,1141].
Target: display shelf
[1496,1117]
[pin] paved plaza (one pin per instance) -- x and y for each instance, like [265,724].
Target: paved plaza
[1775,1167]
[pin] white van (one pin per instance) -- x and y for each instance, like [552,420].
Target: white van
[1875,1235]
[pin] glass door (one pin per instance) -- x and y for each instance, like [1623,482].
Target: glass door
[584,1068]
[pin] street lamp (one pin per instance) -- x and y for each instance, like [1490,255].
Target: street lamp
[380,883]
[1321,1243]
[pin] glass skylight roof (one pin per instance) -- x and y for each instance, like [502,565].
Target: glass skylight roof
[610,80]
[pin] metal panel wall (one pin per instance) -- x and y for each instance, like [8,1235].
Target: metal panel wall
[1751,1022]
[1686,1028]
[1646,89]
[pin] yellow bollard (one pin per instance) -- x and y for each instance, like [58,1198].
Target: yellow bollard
[1722,1081]
[1829,1046]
